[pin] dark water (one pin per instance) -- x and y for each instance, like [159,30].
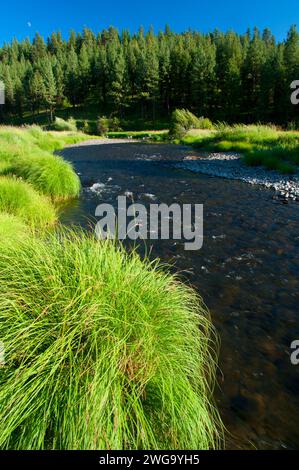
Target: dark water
[247,273]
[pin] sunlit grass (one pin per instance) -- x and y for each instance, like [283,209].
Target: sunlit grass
[20,199]
[50,175]
[103,351]
[12,229]
[28,153]
[261,145]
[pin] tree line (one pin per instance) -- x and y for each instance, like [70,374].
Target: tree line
[223,76]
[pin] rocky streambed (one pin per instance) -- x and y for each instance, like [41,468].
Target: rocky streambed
[231,166]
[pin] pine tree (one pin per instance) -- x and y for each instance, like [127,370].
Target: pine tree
[50,88]
[72,76]
[36,91]
[223,76]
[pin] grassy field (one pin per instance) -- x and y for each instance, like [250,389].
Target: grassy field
[103,350]
[260,145]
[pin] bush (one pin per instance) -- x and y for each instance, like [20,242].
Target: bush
[20,199]
[86,127]
[103,351]
[102,125]
[114,124]
[183,120]
[62,125]
[107,124]
[49,174]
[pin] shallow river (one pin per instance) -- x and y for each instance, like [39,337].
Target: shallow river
[247,273]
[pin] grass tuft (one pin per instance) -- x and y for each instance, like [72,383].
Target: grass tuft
[50,175]
[28,153]
[103,351]
[12,229]
[62,125]
[20,199]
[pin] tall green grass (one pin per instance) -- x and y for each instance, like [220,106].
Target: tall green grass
[50,175]
[261,145]
[20,199]
[62,125]
[28,153]
[103,351]
[12,229]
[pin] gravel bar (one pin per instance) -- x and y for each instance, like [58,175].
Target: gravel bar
[231,166]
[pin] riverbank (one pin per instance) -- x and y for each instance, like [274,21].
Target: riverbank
[92,334]
[260,146]
[231,166]
[228,165]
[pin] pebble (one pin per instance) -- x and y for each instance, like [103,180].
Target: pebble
[231,166]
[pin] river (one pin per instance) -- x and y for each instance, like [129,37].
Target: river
[247,272]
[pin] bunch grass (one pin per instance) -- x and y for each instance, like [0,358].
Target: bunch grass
[103,350]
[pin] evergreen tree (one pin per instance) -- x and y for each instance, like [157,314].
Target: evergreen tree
[36,91]
[50,88]
[227,76]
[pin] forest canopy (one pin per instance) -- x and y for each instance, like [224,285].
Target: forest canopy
[223,76]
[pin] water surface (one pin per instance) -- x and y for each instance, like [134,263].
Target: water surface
[247,273]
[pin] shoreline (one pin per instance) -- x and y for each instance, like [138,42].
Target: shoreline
[230,166]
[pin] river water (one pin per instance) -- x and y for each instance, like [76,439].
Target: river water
[247,272]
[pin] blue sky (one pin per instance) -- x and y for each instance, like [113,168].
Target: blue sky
[22,19]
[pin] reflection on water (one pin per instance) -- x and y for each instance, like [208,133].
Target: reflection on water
[247,273]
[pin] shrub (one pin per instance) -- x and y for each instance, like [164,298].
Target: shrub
[86,127]
[20,199]
[103,351]
[102,125]
[183,120]
[62,125]
[205,123]
[49,174]
[114,124]
[107,124]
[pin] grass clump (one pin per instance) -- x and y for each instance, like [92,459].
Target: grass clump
[20,199]
[63,125]
[12,229]
[50,175]
[28,153]
[103,351]
[260,145]
[182,120]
